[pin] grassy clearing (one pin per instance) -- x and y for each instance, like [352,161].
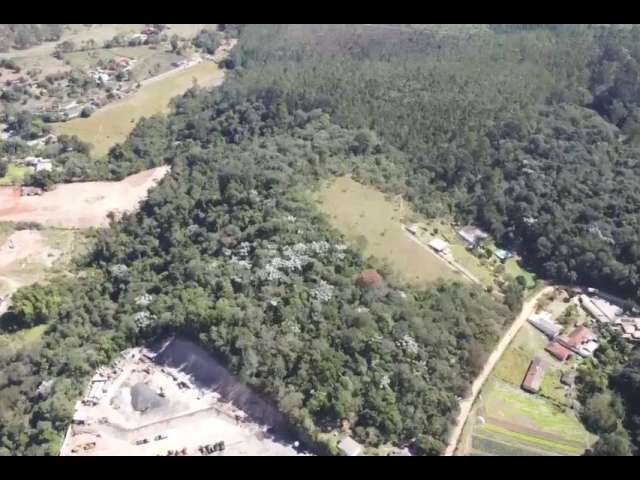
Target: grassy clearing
[367,218]
[15,175]
[511,267]
[88,58]
[112,124]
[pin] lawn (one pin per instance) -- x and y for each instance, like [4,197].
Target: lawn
[15,175]
[367,218]
[511,267]
[113,123]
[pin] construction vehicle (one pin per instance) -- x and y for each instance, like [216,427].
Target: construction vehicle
[159,437]
[142,441]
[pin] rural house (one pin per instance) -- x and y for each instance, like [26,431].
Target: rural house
[348,447]
[581,341]
[558,351]
[473,236]
[533,378]
[543,322]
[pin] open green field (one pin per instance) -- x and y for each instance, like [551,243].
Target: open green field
[511,267]
[15,175]
[362,212]
[113,123]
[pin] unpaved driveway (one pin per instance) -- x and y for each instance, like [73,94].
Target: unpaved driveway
[466,404]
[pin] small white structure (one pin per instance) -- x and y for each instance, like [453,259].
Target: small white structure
[44,165]
[439,245]
[413,229]
[349,447]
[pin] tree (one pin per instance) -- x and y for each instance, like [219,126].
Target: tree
[602,412]
[616,444]
[175,43]
[4,168]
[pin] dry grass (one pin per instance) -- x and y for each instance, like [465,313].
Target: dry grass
[362,212]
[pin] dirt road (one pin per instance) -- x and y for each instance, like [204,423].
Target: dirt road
[467,403]
[449,261]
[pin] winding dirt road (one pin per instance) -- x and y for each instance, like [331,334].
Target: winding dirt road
[467,403]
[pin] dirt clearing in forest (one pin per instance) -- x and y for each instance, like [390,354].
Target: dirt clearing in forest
[79,205]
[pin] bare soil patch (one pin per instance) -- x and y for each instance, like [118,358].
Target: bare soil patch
[79,205]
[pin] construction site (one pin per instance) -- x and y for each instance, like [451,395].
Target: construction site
[174,400]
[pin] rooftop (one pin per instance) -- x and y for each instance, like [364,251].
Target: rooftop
[349,447]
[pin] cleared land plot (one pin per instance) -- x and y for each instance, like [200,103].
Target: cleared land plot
[522,420]
[79,205]
[15,175]
[359,211]
[113,123]
[29,256]
[177,397]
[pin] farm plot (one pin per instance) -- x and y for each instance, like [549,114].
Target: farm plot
[367,218]
[516,421]
[113,123]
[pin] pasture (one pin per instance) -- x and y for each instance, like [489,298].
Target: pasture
[373,222]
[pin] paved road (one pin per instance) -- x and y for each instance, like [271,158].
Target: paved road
[467,403]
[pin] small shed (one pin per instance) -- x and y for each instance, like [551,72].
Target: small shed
[439,245]
[503,254]
[348,447]
[533,379]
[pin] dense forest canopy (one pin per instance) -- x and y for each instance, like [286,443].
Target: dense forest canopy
[530,132]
